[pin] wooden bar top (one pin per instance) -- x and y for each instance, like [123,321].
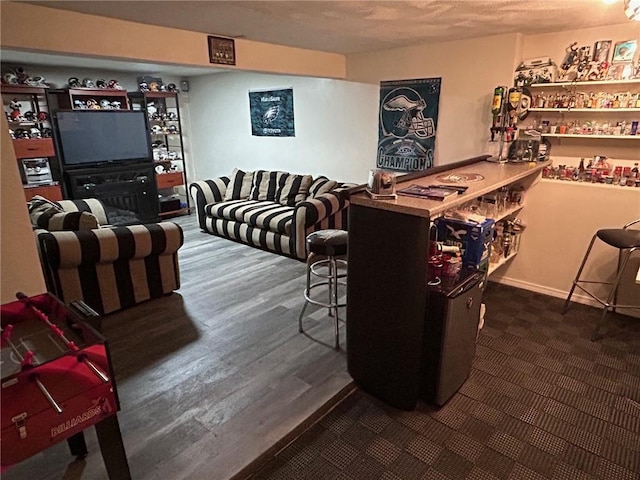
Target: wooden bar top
[495,176]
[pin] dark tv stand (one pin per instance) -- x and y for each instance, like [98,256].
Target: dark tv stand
[128,192]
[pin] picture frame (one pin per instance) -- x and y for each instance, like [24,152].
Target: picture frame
[222,50]
[620,71]
[624,51]
[602,50]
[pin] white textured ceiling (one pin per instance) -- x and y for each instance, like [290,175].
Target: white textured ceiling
[358,26]
[333,25]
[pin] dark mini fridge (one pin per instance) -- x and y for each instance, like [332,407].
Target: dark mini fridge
[451,329]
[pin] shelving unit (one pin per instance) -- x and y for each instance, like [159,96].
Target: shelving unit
[35,152]
[69,98]
[573,121]
[163,111]
[494,266]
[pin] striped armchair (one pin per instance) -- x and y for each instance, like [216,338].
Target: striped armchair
[109,268]
[274,211]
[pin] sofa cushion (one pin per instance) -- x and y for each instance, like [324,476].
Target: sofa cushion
[321,185]
[261,214]
[265,185]
[53,221]
[39,206]
[293,189]
[89,205]
[239,185]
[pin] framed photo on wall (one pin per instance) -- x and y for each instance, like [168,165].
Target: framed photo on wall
[601,51]
[624,51]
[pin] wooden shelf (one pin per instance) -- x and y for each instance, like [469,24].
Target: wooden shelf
[601,137]
[598,110]
[576,84]
[508,212]
[22,89]
[494,266]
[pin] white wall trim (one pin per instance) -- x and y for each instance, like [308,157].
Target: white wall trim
[554,292]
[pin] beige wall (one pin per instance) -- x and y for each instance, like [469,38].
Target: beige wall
[40,29]
[19,264]
[470,70]
[560,218]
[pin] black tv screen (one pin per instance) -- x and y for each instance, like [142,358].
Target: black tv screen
[89,137]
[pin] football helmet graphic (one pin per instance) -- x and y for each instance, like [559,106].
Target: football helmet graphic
[401,114]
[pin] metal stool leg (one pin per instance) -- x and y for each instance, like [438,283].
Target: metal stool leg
[331,267]
[577,279]
[612,295]
[306,293]
[334,291]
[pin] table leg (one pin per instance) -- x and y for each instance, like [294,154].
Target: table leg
[112,448]
[77,445]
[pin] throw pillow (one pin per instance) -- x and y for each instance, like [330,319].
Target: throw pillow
[67,221]
[293,189]
[239,186]
[321,185]
[265,185]
[39,206]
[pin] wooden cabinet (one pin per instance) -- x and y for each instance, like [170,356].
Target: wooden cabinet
[50,192]
[27,111]
[163,112]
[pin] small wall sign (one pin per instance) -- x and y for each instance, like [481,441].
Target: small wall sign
[222,50]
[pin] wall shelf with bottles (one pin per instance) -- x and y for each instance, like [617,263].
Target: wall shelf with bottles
[580,84]
[599,137]
[590,110]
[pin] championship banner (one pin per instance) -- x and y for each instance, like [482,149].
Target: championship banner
[408,123]
[272,113]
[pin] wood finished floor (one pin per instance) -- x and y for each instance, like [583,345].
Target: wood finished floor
[214,375]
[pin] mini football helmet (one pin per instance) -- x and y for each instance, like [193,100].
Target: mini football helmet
[116,105]
[47,133]
[21,133]
[35,132]
[105,104]
[30,116]
[144,86]
[172,129]
[79,104]
[156,129]
[73,82]
[42,116]
[172,87]
[10,78]
[100,83]
[93,104]
[114,85]
[88,83]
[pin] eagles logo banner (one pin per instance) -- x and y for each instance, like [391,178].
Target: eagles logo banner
[272,113]
[408,122]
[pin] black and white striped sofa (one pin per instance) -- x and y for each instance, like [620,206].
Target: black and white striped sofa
[110,267]
[271,210]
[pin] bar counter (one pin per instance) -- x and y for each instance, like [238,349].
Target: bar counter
[387,311]
[495,176]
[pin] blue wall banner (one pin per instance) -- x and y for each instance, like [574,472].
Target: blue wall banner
[408,123]
[272,113]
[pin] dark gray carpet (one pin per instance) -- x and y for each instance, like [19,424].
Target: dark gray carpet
[542,401]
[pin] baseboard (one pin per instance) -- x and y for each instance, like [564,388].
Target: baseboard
[254,467]
[554,292]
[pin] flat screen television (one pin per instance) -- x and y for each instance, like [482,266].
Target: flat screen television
[92,137]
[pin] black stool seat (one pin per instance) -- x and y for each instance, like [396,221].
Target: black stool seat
[328,242]
[620,238]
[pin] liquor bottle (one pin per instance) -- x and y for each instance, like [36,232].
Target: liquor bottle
[496,104]
[581,170]
[616,102]
[635,173]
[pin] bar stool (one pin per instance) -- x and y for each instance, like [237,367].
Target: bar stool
[624,239]
[325,246]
